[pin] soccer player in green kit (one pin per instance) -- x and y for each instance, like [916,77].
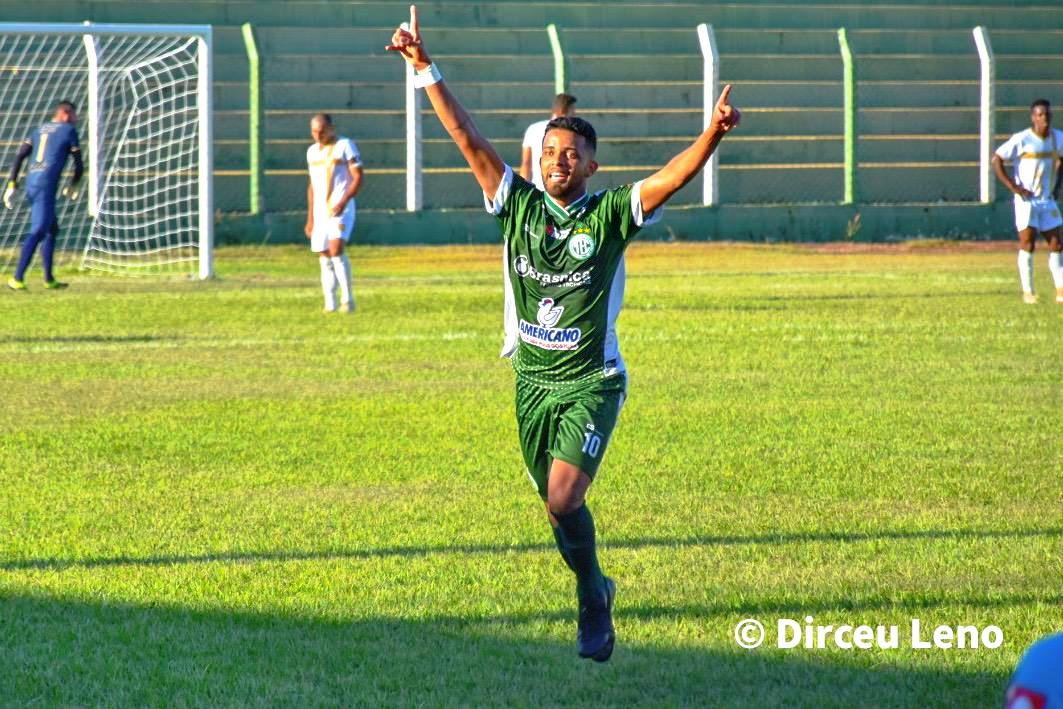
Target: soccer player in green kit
[564,273]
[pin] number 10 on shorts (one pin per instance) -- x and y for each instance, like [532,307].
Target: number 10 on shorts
[592,443]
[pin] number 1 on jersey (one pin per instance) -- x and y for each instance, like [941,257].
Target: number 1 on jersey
[41,147]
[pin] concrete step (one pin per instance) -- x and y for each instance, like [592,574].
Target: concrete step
[371,40]
[885,183]
[371,124]
[455,189]
[736,150]
[386,15]
[513,40]
[589,69]
[1009,94]
[291,154]
[387,95]
[807,41]
[877,183]
[932,121]
[649,96]
[918,148]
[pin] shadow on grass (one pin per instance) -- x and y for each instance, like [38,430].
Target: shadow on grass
[68,652]
[58,563]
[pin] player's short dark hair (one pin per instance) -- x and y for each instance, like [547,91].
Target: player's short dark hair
[323,117]
[1041,102]
[563,103]
[67,106]
[577,126]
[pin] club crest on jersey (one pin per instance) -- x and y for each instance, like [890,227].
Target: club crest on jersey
[581,244]
[545,335]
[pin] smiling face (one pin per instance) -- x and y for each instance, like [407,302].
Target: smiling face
[322,131]
[1041,119]
[567,163]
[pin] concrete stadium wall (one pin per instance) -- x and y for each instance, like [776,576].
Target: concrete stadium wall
[636,68]
[758,223]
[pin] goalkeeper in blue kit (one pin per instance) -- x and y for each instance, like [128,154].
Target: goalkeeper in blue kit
[49,147]
[563,254]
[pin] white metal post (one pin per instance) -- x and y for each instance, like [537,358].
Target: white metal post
[414,184]
[94,117]
[560,80]
[707,39]
[987,106]
[204,100]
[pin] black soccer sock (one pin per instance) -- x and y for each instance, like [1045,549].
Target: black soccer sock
[560,539]
[577,532]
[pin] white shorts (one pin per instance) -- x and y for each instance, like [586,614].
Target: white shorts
[328,228]
[1042,216]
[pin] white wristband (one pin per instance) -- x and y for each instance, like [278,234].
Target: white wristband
[427,76]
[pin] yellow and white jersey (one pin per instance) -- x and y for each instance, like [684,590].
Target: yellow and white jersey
[1034,161]
[328,173]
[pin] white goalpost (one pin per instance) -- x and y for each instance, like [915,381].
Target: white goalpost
[143,94]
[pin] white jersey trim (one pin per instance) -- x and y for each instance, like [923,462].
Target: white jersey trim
[614,361]
[636,208]
[509,310]
[494,206]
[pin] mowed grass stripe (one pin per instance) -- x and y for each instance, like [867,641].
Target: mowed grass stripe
[215,495]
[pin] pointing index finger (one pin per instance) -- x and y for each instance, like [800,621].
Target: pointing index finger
[722,101]
[415,28]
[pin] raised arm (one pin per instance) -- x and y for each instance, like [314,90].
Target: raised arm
[661,185]
[486,165]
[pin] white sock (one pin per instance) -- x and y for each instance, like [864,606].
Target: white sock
[328,282]
[1026,270]
[1055,265]
[342,266]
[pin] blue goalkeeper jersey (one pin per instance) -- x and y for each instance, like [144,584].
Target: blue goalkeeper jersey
[52,143]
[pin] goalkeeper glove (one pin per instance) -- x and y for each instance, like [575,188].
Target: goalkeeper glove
[72,192]
[9,194]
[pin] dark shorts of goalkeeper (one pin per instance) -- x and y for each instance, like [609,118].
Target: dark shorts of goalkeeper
[572,423]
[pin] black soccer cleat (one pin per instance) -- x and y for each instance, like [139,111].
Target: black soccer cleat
[595,636]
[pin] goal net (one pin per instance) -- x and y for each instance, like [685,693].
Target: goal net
[144,107]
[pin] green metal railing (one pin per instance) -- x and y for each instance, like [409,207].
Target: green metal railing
[254,105]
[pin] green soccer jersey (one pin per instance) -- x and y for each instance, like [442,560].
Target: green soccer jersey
[564,273]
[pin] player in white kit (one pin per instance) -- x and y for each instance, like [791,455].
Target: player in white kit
[335,178]
[1035,156]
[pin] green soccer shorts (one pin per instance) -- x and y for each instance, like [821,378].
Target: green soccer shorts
[572,424]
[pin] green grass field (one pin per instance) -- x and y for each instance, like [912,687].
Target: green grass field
[212,494]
